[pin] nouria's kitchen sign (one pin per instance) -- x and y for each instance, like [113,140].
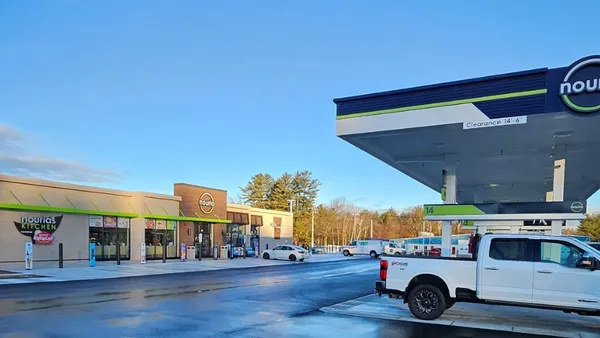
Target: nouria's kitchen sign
[580,88]
[39,228]
[206,203]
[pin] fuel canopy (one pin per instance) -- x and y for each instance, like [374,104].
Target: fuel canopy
[502,133]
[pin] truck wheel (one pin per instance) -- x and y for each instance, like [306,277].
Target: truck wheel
[266,256]
[426,302]
[373,254]
[346,253]
[397,254]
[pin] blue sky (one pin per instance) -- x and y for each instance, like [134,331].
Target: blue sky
[138,95]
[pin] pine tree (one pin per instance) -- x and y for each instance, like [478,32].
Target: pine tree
[590,226]
[281,192]
[256,193]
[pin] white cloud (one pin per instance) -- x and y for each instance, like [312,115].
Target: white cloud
[16,159]
[10,137]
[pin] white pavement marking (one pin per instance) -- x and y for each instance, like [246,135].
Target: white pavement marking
[477,316]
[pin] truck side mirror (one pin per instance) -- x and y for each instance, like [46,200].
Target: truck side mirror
[588,262]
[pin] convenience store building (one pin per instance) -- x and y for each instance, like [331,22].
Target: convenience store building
[47,213]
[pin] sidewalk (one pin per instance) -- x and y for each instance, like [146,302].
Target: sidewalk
[15,273]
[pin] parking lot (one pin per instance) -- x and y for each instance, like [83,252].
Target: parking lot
[499,318]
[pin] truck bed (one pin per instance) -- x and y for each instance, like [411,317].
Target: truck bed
[457,272]
[385,256]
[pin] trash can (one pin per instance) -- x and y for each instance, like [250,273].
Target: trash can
[216,252]
[224,252]
[191,253]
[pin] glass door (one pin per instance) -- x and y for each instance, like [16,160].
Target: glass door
[255,238]
[205,229]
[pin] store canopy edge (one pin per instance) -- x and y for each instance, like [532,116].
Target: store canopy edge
[185,218]
[41,208]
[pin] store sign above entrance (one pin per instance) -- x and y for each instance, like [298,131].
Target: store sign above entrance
[39,228]
[206,203]
[580,87]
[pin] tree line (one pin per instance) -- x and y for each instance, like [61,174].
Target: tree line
[336,223]
[339,221]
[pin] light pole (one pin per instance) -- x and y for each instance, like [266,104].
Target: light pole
[371,229]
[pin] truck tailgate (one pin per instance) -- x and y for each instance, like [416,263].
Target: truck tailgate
[456,272]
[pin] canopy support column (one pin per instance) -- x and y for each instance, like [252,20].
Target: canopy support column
[558,192]
[449,177]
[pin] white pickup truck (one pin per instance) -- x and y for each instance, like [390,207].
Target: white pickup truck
[549,272]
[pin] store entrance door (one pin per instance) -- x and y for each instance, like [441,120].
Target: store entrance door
[206,249]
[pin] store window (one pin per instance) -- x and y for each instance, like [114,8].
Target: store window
[160,237]
[110,234]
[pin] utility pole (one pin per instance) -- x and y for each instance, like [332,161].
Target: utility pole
[371,229]
[291,205]
[354,228]
[312,233]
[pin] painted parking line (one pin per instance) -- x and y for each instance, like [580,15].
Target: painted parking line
[477,316]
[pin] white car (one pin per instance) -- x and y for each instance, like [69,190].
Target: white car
[287,252]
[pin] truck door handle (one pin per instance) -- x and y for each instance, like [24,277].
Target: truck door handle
[548,272]
[492,268]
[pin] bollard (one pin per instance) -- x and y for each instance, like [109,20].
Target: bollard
[244,248]
[118,254]
[60,255]
[215,252]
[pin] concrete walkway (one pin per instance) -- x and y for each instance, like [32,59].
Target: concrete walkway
[478,316]
[49,272]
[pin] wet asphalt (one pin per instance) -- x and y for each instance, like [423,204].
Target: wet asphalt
[255,302]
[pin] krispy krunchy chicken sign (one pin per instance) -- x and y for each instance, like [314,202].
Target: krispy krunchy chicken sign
[39,228]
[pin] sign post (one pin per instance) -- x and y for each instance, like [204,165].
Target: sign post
[92,254]
[28,256]
[143,253]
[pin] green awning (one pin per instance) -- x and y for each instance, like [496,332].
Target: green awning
[185,218]
[59,210]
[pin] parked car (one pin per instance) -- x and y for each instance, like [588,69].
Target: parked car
[318,250]
[549,272]
[395,249]
[287,252]
[595,245]
[435,252]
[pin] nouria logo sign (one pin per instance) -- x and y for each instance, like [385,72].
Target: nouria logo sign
[206,203]
[40,229]
[577,207]
[580,88]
